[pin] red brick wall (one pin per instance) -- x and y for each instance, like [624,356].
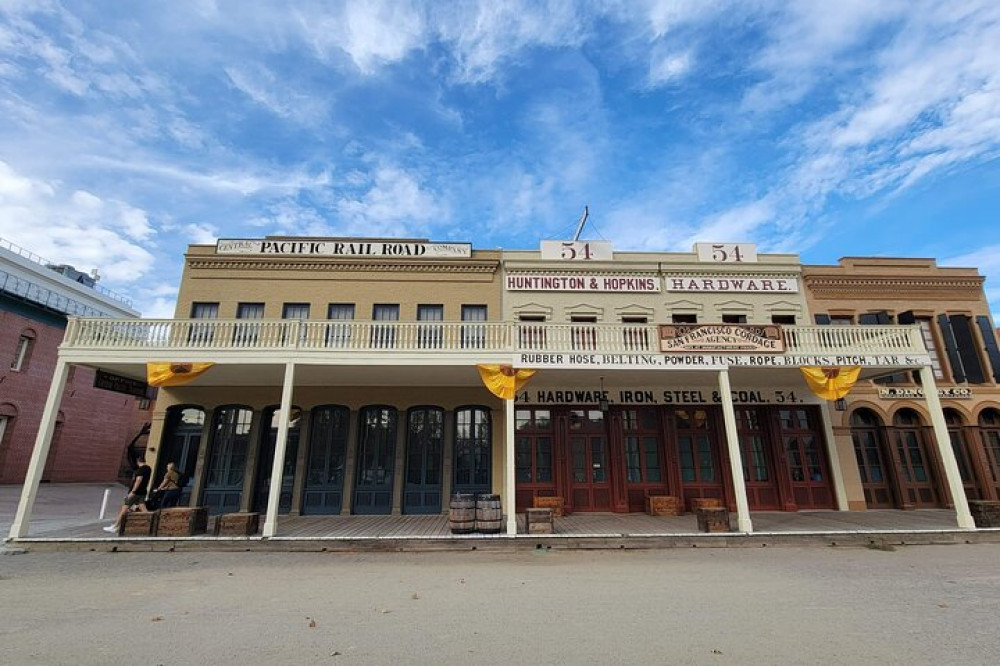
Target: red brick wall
[96,425]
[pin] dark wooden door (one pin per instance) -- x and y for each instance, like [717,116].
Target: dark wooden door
[180,446]
[807,469]
[916,479]
[265,460]
[375,461]
[590,482]
[698,454]
[534,456]
[227,459]
[323,491]
[424,457]
[643,450]
[874,465]
[757,461]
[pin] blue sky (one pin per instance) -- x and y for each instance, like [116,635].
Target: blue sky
[131,129]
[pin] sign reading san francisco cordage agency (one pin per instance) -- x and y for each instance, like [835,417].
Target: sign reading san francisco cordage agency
[344,248]
[720,337]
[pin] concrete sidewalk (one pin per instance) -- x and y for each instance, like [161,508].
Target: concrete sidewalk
[61,506]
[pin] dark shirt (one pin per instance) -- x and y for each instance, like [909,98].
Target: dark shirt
[143,474]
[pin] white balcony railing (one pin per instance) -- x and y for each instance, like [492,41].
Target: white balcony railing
[442,337]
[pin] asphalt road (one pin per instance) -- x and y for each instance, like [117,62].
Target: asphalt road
[913,605]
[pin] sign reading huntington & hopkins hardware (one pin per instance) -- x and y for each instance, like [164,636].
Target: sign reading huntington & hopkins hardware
[344,247]
[721,337]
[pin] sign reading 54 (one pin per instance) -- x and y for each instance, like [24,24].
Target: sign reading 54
[577,250]
[727,253]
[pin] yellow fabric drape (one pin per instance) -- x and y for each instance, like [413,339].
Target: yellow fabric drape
[831,383]
[174,374]
[503,381]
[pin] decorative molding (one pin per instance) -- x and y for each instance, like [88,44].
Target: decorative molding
[269,264]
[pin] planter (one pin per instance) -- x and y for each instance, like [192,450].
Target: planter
[664,505]
[139,523]
[539,521]
[713,519]
[238,524]
[985,513]
[182,521]
[705,503]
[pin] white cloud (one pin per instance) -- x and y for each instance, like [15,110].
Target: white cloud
[668,67]
[394,203]
[77,228]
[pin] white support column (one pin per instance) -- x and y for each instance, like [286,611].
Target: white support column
[735,458]
[953,476]
[508,429]
[278,467]
[836,473]
[41,451]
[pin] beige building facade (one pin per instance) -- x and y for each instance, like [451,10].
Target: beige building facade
[345,380]
[885,426]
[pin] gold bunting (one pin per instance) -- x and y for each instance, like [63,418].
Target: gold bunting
[831,383]
[503,381]
[174,374]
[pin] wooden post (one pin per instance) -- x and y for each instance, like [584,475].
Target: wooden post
[278,466]
[733,446]
[945,452]
[836,474]
[509,488]
[41,451]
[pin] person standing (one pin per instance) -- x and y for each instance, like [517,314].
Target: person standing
[136,498]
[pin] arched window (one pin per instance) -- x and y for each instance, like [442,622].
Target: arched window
[180,444]
[265,458]
[424,459]
[22,353]
[376,460]
[958,444]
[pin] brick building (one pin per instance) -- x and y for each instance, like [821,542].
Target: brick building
[93,425]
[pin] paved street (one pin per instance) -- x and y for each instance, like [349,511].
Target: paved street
[911,605]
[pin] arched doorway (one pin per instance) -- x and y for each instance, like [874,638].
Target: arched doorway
[265,459]
[227,458]
[914,465]
[473,450]
[873,465]
[180,444]
[963,456]
[989,432]
[376,460]
[323,492]
[424,458]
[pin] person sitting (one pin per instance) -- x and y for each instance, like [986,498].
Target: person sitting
[170,487]
[136,498]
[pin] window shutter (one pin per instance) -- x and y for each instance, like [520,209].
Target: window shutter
[990,338]
[967,349]
[957,369]
[822,319]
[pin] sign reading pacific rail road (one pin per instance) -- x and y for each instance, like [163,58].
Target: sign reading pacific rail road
[343,247]
[721,337]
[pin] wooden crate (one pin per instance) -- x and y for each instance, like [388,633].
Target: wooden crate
[713,519]
[705,503]
[554,503]
[139,523]
[664,505]
[238,524]
[539,520]
[182,521]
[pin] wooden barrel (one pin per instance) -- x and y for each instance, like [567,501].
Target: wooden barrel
[462,513]
[489,514]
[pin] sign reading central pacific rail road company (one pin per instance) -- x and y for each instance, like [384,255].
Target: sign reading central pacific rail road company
[343,248]
[721,337]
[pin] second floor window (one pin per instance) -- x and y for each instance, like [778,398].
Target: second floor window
[338,334]
[21,353]
[248,334]
[472,335]
[584,336]
[203,334]
[384,334]
[430,335]
[635,334]
[299,311]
